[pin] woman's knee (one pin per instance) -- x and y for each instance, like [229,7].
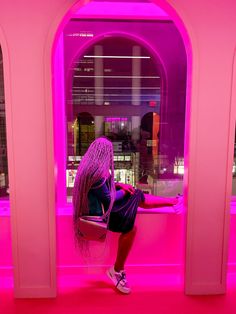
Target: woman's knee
[134,230]
[131,232]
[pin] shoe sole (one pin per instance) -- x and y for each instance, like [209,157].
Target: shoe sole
[117,287]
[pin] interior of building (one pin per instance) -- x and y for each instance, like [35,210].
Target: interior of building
[150,77]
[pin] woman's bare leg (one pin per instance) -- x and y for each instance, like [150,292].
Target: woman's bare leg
[152,201]
[125,243]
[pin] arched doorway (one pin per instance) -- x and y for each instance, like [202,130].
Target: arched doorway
[88,91]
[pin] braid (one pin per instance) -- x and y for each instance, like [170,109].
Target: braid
[94,166]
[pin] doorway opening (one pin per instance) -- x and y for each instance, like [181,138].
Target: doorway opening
[140,106]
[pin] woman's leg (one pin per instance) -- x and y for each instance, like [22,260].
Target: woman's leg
[125,243]
[152,201]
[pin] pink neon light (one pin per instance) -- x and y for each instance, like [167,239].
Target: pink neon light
[119,10]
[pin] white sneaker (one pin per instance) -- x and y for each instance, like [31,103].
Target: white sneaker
[119,279]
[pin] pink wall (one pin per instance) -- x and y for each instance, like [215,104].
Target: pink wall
[27,33]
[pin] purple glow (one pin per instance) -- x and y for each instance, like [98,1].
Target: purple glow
[119,10]
[112,119]
[59,122]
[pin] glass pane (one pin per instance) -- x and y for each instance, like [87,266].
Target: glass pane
[234,170]
[118,88]
[3,143]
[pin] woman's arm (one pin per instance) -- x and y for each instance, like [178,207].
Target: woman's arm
[101,191]
[125,187]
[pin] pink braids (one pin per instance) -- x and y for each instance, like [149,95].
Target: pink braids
[94,166]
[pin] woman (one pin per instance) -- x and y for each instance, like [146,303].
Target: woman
[96,194]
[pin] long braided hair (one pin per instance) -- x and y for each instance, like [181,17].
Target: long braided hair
[96,164]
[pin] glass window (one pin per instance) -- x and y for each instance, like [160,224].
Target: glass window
[234,170]
[4,187]
[119,88]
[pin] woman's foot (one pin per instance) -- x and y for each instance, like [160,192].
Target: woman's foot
[178,206]
[173,201]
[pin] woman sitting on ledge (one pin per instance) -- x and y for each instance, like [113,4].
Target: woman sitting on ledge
[96,194]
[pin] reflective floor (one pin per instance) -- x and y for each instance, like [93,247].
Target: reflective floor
[95,294]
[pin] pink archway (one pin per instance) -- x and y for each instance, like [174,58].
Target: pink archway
[208,192]
[51,49]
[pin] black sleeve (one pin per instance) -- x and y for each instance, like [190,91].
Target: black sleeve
[102,193]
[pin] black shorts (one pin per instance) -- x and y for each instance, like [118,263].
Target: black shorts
[123,213]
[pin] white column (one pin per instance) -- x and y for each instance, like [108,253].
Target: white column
[136,73]
[135,133]
[99,88]
[208,164]
[31,157]
[98,125]
[136,83]
[98,73]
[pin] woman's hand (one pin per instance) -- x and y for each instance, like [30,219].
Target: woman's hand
[126,187]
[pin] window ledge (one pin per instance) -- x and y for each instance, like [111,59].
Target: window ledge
[67,210]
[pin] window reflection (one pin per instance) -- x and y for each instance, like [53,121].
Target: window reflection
[234,168]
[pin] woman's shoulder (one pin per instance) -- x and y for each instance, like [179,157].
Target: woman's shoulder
[99,183]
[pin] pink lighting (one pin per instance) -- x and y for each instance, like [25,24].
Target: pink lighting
[81,34]
[163,231]
[111,119]
[186,39]
[169,256]
[117,76]
[194,246]
[116,10]
[117,57]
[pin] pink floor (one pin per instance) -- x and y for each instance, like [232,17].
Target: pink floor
[156,288]
[95,294]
